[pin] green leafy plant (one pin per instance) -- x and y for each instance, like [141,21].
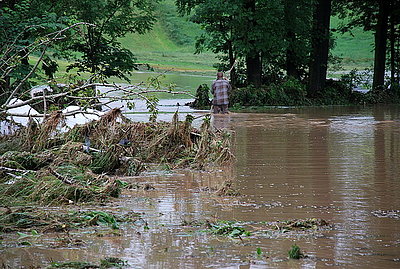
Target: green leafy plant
[22,239]
[228,229]
[295,252]
[112,262]
[100,217]
[202,100]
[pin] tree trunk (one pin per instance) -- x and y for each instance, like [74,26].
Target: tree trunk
[253,60]
[320,46]
[392,52]
[253,66]
[291,63]
[5,89]
[233,77]
[380,45]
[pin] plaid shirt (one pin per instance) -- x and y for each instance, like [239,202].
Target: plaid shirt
[220,89]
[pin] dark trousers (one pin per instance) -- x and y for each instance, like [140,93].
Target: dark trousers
[223,109]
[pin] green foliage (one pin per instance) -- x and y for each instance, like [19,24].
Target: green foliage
[32,28]
[101,49]
[23,218]
[63,184]
[71,265]
[100,218]
[288,92]
[202,99]
[112,262]
[151,104]
[105,162]
[295,252]
[178,28]
[229,229]
[22,160]
[382,95]
[226,25]
[26,29]
[109,262]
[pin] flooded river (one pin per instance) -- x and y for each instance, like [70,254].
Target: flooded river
[338,164]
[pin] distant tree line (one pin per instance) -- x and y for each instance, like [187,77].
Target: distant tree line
[265,38]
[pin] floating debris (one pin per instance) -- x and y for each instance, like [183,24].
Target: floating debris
[227,190]
[109,262]
[393,214]
[21,219]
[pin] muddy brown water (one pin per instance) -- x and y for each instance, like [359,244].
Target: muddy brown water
[338,164]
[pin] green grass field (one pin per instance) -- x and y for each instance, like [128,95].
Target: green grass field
[356,49]
[170,44]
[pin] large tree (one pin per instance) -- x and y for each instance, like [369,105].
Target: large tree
[381,34]
[245,30]
[297,26]
[320,36]
[381,17]
[32,27]
[112,19]
[27,27]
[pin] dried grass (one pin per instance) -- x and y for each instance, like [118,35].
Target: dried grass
[66,172]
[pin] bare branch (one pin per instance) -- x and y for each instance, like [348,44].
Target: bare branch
[27,76]
[49,38]
[70,113]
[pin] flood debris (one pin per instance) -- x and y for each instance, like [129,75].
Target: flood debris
[109,262]
[299,224]
[239,229]
[84,164]
[228,228]
[393,214]
[202,99]
[227,189]
[27,218]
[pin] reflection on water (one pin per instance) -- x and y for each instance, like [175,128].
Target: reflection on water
[338,164]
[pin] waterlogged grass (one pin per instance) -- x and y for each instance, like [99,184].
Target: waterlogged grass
[277,229]
[109,262]
[230,229]
[27,221]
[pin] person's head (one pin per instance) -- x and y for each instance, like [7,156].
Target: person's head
[220,75]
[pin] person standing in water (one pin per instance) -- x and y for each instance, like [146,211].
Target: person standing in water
[220,89]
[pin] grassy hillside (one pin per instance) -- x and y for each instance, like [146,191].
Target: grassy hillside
[355,49]
[170,45]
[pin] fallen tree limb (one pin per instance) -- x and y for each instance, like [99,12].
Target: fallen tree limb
[3,168]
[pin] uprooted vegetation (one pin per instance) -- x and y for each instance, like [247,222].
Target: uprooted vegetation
[28,218]
[238,229]
[83,164]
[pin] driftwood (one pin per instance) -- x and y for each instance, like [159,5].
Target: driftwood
[7,169]
[61,177]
